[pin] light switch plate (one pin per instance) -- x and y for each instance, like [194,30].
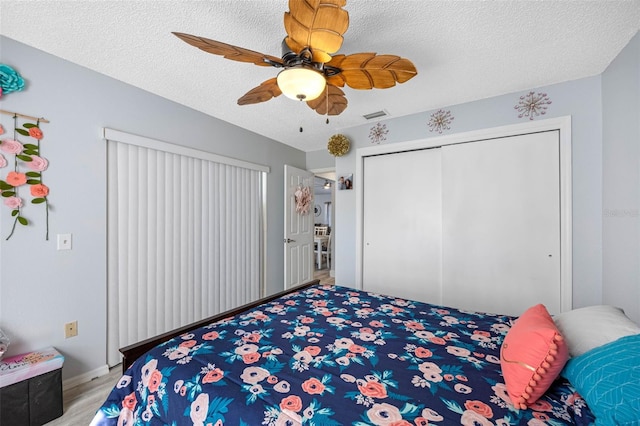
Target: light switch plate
[64,241]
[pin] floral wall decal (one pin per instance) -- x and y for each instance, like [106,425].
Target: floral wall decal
[27,169]
[378,133]
[440,121]
[532,105]
[10,80]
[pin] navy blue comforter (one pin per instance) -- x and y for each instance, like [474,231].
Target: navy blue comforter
[330,355]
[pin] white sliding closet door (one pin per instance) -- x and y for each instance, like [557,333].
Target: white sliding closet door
[501,223]
[402,224]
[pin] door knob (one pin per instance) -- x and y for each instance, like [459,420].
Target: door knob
[289,240]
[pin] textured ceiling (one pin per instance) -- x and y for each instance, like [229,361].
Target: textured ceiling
[463,50]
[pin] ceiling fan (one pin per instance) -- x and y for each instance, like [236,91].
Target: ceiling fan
[310,73]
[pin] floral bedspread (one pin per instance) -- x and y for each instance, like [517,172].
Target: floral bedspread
[330,355]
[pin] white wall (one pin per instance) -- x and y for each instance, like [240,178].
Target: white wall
[41,288]
[581,99]
[621,180]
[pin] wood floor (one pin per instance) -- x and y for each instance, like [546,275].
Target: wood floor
[82,402]
[323,276]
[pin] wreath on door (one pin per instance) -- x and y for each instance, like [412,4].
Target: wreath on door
[303,199]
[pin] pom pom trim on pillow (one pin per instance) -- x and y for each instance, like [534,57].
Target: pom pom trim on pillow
[532,355]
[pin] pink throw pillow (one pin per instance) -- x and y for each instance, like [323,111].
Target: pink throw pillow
[532,355]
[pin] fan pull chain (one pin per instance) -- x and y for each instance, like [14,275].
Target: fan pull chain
[327,104]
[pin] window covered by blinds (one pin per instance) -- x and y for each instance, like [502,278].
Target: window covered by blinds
[185,237]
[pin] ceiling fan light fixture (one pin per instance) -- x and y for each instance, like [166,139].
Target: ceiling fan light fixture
[301,83]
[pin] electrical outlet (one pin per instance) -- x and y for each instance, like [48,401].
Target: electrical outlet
[70,329]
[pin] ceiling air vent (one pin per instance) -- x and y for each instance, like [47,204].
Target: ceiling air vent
[376,114]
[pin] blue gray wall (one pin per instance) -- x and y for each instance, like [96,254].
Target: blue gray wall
[319,160]
[42,288]
[621,180]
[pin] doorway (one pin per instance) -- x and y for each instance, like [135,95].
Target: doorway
[324,218]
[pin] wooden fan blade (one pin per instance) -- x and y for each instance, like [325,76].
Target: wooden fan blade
[336,103]
[337,79]
[318,24]
[266,91]
[368,70]
[229,51]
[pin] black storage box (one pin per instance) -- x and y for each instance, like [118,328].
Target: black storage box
[32,401]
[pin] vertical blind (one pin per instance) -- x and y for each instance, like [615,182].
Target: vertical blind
[185,240]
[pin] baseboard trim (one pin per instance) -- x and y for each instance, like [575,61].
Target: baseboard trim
[85,377]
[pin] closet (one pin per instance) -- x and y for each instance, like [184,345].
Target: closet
[475,225]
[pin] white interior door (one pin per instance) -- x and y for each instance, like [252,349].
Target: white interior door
[501,223]
[402,224]
[298,230]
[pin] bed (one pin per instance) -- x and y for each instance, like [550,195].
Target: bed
[331,355]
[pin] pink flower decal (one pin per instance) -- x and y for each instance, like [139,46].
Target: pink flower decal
[38,164]
[13,202]
[16,179]
[35,133]
[39,190]
[11,146]
[25,156]
[1,128]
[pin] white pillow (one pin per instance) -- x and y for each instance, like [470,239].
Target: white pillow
[587,328]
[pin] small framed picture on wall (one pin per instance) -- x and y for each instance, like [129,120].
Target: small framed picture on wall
[345,182]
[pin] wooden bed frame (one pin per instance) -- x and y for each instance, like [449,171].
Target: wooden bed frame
[132,352]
